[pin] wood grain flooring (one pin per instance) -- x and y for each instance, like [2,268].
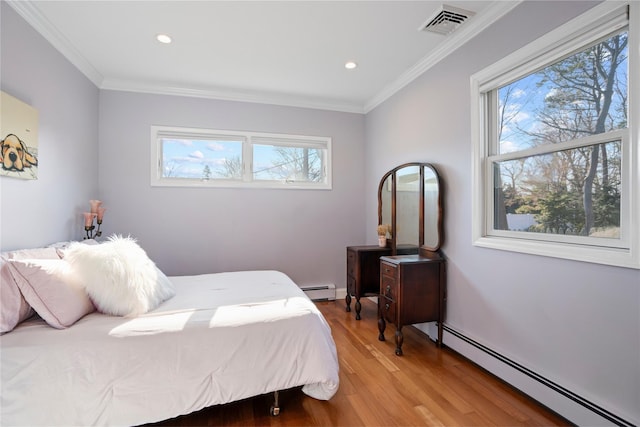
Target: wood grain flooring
[428,386]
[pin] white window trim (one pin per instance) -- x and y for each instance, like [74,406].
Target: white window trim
[248,139]
[567,38]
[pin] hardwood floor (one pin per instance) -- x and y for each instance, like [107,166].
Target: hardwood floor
[427,386]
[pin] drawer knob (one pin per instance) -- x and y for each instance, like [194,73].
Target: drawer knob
[386,306]
[388,289]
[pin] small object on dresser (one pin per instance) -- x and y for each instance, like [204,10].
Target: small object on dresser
[383,230]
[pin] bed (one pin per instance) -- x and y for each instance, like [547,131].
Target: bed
[223,337]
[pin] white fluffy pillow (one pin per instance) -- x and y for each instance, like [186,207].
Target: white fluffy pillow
[119,276]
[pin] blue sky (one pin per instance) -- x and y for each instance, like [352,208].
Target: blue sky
[526,98]
[189,157]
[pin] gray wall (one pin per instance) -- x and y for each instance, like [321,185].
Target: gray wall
[575,323]
[197,230]
[34,213]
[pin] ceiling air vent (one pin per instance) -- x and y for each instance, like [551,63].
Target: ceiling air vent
[446,20]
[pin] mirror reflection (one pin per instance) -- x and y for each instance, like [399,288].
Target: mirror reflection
[407,206]
[385,200]
[431,207]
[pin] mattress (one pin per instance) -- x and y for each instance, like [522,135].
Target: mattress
[223,337]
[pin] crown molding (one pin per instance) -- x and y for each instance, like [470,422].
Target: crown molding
[231,94]
[30,13]
[473,27]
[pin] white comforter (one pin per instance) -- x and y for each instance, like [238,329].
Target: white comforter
[222,338]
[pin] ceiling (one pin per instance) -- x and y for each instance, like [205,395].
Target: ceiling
[277,52]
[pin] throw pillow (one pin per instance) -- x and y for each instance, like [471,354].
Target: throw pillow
[13,307]
[119,276]
[51,290]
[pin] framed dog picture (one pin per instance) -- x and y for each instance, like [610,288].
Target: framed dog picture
[19,133]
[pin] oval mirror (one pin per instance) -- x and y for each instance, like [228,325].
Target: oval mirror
[410,200]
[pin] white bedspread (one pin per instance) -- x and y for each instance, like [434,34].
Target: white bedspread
[222,338]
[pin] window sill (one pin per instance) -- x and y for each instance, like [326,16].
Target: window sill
[599,255]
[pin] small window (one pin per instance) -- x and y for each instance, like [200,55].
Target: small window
[553,145]
[285,159]
[209,158]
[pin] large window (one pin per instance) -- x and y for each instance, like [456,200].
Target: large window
[556,150]
[209,158]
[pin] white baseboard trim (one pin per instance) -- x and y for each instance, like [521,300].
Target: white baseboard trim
[568,404]
[320,292]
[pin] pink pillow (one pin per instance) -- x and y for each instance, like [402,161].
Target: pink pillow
[51,290]
[13,307]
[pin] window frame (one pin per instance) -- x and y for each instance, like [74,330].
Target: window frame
[248,140]
[593,25]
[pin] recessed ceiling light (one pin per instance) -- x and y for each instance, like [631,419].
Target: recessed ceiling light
[163,38]
[350,65]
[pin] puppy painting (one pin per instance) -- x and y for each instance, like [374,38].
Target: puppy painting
[15,155]
[19,144]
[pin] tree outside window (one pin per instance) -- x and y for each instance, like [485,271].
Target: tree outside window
[569,188]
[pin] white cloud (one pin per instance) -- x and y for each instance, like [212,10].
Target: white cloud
[515,113]
[215,146]
[183,142]
[508,147]
[196,155]
[552,92]
[518,93]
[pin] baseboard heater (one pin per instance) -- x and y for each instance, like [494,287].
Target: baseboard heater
[576,399]
[320,292]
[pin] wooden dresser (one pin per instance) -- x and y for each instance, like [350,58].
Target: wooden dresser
[363,271]
[412,290]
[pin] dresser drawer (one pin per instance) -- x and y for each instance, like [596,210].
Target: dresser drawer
[387,309]
[388,269]
[389,287]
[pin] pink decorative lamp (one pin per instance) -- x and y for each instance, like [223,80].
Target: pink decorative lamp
[97,212]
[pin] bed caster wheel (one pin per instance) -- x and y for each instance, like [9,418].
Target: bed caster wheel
[275,408]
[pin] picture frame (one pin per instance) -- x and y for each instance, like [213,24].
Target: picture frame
[19,138]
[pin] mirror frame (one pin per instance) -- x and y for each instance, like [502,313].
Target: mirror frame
[423,249]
